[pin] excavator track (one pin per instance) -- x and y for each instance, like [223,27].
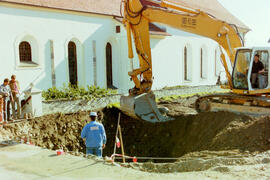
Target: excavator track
[251,105]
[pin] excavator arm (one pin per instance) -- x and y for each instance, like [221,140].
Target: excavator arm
[139,13]
[137,16]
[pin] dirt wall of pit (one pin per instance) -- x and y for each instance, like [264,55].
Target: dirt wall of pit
[187,133]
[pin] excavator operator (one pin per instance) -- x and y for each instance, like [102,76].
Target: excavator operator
[257,68]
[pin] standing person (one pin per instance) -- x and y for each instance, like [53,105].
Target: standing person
[15,87]
[6,93]
[257,68]
[1,106]
[95,135]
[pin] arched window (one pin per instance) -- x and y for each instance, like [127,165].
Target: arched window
[218,62]
[109,65]
[185,64]
[72,63]
[201,60]
[203,63]
[216,71]
[25,52]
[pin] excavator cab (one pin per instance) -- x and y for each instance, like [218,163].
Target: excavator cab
[250,70]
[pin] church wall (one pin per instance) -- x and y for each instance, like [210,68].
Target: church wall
[39,28]
[90,34]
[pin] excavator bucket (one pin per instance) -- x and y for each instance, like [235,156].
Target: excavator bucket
[143,107]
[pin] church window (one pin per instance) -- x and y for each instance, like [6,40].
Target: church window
[72,63]
[201,60]
[25,52]
[109,66]
[185,65]
[203,64]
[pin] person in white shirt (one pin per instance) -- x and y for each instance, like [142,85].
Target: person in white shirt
[6,94]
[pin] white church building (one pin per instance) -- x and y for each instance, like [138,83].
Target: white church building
[55,42]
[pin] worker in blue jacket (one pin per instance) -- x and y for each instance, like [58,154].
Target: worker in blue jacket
[95,135]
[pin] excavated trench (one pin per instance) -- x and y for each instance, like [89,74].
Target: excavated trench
[200,141]
[190,133]
[191,137]
[187,133]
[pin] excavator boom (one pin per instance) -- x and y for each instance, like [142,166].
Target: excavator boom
[139,13]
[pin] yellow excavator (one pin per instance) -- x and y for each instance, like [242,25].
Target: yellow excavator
[245,95]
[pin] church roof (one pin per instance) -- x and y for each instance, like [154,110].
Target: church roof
[214,8]
[153,29]
[107,7]
[112,7]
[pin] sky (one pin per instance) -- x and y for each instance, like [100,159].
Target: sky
[256,15]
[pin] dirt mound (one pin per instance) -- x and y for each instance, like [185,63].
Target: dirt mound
[220,161]
[51,131]
[48,131]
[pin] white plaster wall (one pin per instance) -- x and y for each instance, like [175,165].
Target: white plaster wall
[125,63]
[168,59]
[60,28]
[167,51]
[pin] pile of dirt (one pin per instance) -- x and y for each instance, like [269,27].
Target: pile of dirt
[221,131]
[220,161]
[54,131]
[51,131]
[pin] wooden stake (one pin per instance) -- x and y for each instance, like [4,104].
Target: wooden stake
[1,108]
[117,127]
[122,144]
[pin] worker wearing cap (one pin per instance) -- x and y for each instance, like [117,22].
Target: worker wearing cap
[95,135]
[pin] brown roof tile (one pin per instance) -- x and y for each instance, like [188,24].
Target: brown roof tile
[112,7]
[153,29]
[107,7]
[214,8]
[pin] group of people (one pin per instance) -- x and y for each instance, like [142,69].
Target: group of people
[9,94]
[93,132]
